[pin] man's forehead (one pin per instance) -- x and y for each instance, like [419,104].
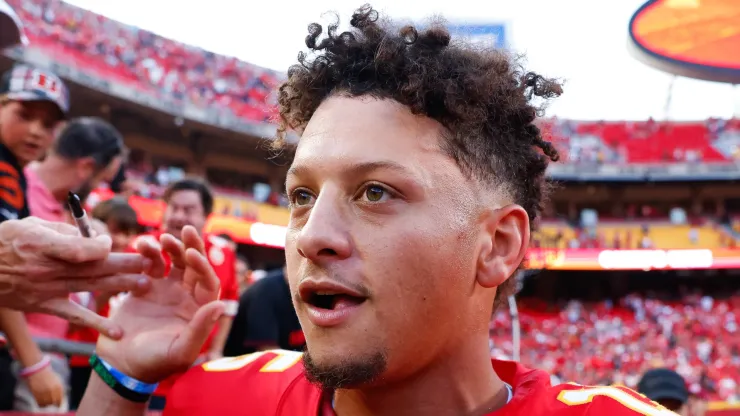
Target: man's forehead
[185,197]
[366,132]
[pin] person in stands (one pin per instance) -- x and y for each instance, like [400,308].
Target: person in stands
[33,103]
[85,152]
[666,387]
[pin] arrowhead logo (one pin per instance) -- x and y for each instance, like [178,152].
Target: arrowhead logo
[693,38]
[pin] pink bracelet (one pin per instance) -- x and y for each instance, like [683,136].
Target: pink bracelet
[33,369]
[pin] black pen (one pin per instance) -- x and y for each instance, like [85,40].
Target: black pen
[79,215]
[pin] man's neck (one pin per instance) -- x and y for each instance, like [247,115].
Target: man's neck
[54,174]
[461,384]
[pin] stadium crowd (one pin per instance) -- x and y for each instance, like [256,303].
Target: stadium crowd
[181,72]
[606,342]
[592,343]
[617,142]
[145,60]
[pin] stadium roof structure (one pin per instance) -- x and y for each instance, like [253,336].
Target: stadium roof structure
[692,38]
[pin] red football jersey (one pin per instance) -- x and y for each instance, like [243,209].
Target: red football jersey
[273,383]
[223,261]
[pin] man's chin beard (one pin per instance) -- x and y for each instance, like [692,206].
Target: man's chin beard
[345,374]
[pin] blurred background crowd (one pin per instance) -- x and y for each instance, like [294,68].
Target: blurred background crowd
[634,267]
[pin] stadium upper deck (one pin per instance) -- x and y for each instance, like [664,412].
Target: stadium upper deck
[142,59]
[170,69]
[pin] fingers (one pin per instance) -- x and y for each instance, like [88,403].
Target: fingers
[175,249]
[98,227]
[57,392]
[137,283]
[60,227]
[43,395]
[200,276]
[48,390]
[64,247]
[191,239]
[79,315]
[152,251]
[129,263]
[194,335]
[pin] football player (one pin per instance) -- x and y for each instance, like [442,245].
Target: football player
[417,179]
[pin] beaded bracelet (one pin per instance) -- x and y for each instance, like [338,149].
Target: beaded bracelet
[33,369]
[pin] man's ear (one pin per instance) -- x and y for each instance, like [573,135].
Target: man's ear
[505,244]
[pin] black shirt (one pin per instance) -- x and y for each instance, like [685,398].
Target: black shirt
[265,318]
[13,203]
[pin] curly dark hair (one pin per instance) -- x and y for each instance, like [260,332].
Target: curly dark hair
[483,97]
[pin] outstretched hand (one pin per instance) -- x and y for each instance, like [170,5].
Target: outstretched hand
[165,328]
[42,262]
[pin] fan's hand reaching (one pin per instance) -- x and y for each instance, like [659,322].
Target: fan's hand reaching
[165,328]
[42,262]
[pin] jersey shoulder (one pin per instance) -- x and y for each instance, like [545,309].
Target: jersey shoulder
[216,241]
[218,251]
[575,399]
[253,384]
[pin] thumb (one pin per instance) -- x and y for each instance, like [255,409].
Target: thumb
[80,315]
[195,334]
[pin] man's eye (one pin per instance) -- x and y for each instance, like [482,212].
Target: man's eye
[301,197]
[376,193]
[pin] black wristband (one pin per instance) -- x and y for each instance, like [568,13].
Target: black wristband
[110,380]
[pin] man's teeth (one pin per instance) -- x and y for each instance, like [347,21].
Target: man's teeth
[327,293]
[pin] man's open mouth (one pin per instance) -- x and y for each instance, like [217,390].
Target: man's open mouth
[329,295]
[331,301]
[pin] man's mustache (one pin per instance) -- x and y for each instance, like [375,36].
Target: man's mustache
[315,272]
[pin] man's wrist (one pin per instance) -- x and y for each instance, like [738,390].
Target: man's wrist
[101,399]
[126,386]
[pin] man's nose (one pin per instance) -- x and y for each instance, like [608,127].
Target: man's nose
[325,235]
[179,215]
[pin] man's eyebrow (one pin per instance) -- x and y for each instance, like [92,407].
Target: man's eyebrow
[355,169]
